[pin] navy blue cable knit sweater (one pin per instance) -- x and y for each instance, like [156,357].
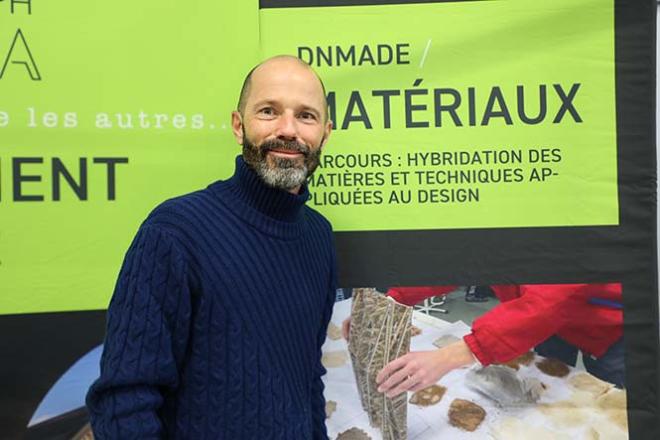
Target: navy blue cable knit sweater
[217,320]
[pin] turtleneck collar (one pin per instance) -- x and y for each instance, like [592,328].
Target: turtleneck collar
[273,210]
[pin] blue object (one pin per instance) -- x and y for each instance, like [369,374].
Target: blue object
[68,393]
[605,303]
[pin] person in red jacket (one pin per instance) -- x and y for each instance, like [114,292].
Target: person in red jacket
[557,320]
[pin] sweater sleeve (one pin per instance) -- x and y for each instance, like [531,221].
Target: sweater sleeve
[145,340]
[318,400]
[515,326]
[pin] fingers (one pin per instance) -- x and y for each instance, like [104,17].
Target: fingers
[396,380]
[398,376]
[407,384]
[411,372]
[391,368]
[346,328]
[406,379]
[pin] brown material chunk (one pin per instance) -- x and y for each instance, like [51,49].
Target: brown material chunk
[415,331]
[445,340]
[511,428]
[592,434]
[334,359]
[523,359]
[428,396]
[614,399]
[553,367]
[334,332]
[614,403]
[330,408]
[591,384]
[466,415]
[353,434]
[565,414]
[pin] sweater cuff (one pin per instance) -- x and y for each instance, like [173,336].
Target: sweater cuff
[479,355]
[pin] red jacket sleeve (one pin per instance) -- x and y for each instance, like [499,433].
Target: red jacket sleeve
[413,295]
[517,325]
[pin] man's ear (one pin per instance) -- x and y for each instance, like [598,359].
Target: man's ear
[237,126]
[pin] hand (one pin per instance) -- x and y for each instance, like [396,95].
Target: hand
[346,328]
[417,370]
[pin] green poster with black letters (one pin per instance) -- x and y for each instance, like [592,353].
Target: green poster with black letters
[449,125]
[474,142]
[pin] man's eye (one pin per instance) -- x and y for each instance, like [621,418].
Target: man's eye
[268,111]
[308,115]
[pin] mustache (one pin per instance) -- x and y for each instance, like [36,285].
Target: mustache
[280,144]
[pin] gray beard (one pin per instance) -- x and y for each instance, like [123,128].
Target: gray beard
[284,175]
[281,172]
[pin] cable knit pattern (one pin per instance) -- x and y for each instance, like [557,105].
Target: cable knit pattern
[216,324]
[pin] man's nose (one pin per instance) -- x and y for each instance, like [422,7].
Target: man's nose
[287,126]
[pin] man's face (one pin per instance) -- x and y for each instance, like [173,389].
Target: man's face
[283,126]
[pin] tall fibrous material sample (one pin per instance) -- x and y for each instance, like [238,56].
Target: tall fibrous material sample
[380,333]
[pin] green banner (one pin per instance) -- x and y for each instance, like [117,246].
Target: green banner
[461,115]
[480,115]
[106,110]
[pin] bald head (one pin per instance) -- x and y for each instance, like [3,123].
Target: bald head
[263,70]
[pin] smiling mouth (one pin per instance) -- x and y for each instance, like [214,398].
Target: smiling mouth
[285,153]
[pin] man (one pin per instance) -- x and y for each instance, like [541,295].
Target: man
[222,304]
